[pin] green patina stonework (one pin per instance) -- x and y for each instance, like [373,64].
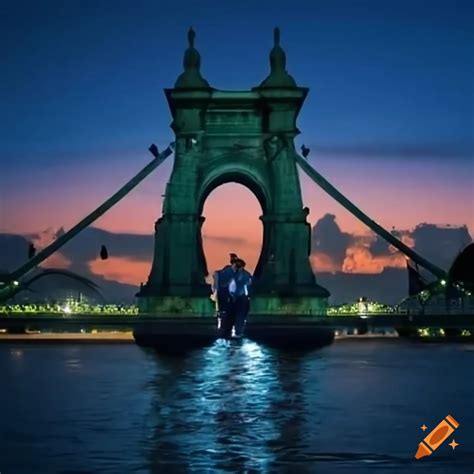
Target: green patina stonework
[245,137]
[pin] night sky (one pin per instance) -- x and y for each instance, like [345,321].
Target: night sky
[389,117]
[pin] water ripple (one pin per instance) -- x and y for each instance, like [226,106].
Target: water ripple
[233,407]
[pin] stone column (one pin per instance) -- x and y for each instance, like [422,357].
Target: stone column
[289,231]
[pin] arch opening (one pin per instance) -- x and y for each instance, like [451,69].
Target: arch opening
[232,224]
[239,178]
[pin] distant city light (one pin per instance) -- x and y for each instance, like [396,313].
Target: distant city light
[16,283]
[443,282]
[70,307]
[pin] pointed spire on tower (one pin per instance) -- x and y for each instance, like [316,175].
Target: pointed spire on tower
[191,77]
[278,76]
[191,36]
[276,39]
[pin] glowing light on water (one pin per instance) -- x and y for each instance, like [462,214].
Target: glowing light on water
[16,353]
[253,351]
[235,382]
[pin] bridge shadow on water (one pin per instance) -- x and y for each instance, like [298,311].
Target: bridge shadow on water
[292,337]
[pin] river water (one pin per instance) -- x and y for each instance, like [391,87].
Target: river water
[353,407]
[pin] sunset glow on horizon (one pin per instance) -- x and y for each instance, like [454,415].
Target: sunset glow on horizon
[232,225]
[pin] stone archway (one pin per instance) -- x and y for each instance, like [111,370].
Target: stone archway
[246,137]
[251,185]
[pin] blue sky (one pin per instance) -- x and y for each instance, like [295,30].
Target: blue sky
[88,76]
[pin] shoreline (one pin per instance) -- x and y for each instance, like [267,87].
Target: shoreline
[355,337]
[65,337]
[127,337]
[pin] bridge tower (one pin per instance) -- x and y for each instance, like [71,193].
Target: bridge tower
[245,137]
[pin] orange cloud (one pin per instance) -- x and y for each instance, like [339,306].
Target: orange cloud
[132,272]
[57,260]
[407,239]
[44,238]
[321,262]
[359,260]
[123,270]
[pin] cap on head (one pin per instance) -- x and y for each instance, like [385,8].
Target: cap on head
[233,257]
[240,263]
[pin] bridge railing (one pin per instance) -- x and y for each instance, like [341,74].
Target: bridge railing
[68,310]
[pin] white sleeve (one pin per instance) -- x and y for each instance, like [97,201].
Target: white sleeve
[215,280]
[232,286]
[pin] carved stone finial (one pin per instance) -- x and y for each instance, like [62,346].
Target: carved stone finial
[191,77]
[276,36]
[278,76]
[191,36]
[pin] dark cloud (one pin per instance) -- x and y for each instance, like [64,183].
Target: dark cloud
[440,245]
[328,238]
[86,246]
[83,249]
[13,251]
[437,244]
[379,247]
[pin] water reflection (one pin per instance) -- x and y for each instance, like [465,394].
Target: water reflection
[234,407]
[16,354]
[292,412]
[221,408]
[73,362]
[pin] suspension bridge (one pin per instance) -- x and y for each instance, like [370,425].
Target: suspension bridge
[245,137]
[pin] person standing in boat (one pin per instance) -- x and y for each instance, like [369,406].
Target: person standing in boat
[222,278]
[239,290]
